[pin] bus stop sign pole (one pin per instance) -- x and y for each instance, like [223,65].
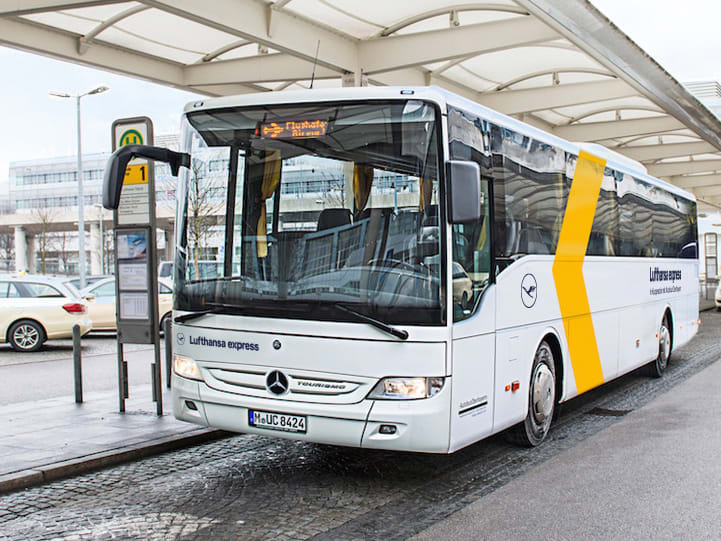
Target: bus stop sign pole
[136,284]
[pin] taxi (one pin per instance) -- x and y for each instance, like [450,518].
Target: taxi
[36,309]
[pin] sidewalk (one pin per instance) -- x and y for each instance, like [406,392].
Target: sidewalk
[53,438]
[654,474]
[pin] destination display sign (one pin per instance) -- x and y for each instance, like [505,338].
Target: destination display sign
[293,129]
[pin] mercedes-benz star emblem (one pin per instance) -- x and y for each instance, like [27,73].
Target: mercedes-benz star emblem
[529,290]
[276,382]
[276,344]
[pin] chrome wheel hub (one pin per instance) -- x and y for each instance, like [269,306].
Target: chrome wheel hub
[542,394]
[26,336]
[664,345]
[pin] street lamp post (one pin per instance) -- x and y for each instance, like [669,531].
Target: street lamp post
[102,238]
[81,198]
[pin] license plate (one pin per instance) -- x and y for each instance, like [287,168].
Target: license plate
[277,421]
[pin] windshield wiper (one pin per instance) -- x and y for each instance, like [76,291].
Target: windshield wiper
[398,333]
[215,308]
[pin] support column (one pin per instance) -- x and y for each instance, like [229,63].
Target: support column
[170,244]
[21,254]
[30,243]
[95,249]
[351,79]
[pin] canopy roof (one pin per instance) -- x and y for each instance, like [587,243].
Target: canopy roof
[560,65]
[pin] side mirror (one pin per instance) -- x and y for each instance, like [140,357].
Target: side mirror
[464,191]
[118,161]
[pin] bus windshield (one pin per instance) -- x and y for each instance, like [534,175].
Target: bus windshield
[311,210]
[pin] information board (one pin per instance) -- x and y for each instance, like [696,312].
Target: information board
[136,286]
[137,199]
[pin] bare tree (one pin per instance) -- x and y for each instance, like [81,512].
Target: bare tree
[63,252]
[7,249]
[45,217]
[204,204]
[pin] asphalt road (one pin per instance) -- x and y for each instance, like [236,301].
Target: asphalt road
[48,373]
[254,487]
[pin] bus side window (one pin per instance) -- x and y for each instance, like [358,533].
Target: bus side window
[471,260]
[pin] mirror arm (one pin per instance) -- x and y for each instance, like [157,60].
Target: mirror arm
[118,161]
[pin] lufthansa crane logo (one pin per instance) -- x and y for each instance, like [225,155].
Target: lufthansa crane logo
[529,290]
[276,382]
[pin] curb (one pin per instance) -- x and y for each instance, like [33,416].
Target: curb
[67,468]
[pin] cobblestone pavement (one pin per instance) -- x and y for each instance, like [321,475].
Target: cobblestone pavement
[253,487]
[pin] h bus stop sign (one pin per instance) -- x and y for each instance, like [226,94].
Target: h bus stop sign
[135,255]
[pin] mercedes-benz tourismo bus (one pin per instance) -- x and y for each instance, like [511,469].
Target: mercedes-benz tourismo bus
[405,269]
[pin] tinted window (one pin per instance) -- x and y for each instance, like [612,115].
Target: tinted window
[471,268]
[530,192]
[40,290]
[164,288]
[105,290]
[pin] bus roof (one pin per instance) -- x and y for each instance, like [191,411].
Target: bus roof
[442,98]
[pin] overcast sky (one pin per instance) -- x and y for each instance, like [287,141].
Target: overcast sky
[682,36]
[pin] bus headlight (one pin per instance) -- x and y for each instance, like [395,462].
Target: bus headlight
[406,388]
[186,367]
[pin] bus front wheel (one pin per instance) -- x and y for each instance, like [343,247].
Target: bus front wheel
[657,367]
[541,400]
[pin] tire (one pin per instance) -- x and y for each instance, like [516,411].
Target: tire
[26,336]
[541,401]
[657,367]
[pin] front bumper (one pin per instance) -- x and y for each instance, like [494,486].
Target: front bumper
[421,425]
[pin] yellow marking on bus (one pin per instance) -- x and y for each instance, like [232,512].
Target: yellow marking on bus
[136,174]
[568,271]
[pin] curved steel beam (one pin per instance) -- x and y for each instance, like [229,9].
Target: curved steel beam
[222,50]
[533,75]
[661,134]
[613,109]
[387,31]
[84,41]
[585,26]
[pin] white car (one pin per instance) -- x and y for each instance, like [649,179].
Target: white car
[717,297]
[100,298]
[36,309]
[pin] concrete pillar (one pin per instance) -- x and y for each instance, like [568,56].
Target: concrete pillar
[95,249]
[21,253]
[30,243]
[169,244]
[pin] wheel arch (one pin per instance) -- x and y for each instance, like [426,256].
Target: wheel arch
[10,326]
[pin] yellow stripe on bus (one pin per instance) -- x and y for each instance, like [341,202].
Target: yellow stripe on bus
[568,271]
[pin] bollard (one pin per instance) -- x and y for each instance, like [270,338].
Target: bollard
[153,382]
[77,365]
[168,335]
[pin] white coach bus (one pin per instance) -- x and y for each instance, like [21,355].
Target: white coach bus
[405,269]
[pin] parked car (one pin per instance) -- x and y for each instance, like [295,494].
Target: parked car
[36,309]
[462,286]
[89,280]
[100,298]
[717,297]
